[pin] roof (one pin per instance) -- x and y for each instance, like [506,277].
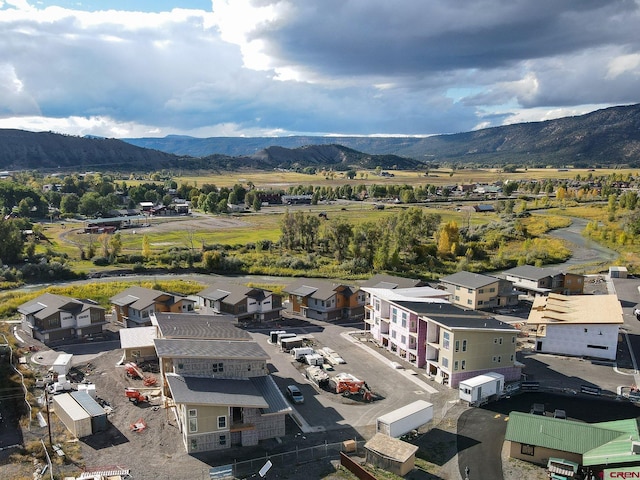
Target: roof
[320,289]
[272,394]
[557,434]
[213,391]
[48,304]
[530,272]
[469,280]
[193,325]
[87,402]
[137,337]
[454,317]
[415,294]
[391,448]
[223,349]
[482,379]
[559,309]
[232,293]
[617,450]
[390,281]
[137,298]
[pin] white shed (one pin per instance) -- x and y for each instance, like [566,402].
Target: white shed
[62,363]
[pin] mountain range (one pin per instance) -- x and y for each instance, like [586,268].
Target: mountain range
[607,137]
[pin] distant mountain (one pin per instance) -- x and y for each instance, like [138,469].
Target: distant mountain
[608,136]
[46,151]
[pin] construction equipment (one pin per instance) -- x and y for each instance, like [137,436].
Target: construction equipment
[135,396]
[133,371]
[347,384]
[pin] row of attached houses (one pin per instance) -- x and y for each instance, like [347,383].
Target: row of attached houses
[324,300]
[420,326]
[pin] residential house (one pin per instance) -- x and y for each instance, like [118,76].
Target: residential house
[479,292]
[221,391]
[52,318]
[581,325]
[391,281]
[138,343]
[241,302]
[542,281]
[598,446]
[420,326]
[133,306]
[324,300]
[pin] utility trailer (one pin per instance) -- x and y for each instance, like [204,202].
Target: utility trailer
[298,353]
[482,389]
[286,344]
[405,419]
[62,363]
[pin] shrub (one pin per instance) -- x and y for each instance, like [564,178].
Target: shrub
[101,261]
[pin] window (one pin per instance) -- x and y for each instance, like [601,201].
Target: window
[511,358]
[457,346]
[469,290]
[403,339]
[457,287]
[464,345]
[445,340]
[218,367]
[492,289]
[500,340]
[586,330]
[445,362]
[393,334]
[54,322]
[222,440]
[493,359]
[479,302]
[495,340]
[457,298]
[599,347]
[404,319]
[499,359]
[222,422]
[527,449]
[193,413]
[455,365]
[513,339]
[193,425]
[463,364]
[480,290]
[394,315]
[469,302]
[194,444]
[377,305]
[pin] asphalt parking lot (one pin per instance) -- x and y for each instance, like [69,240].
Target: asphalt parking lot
[322,410]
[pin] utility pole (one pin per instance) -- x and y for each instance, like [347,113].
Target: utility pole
[46,399]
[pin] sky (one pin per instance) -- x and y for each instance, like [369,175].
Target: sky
[151,68]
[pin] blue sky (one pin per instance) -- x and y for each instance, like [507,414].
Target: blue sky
[134,68]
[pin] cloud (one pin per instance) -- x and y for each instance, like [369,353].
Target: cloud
[327,66]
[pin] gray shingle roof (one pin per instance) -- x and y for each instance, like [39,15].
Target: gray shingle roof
[469,280]
[214,391]
[48,303]
[531,272]
[231,293]
[138,298]
[272,394]
[214,349]
[454,317]
[390,281]
[193,325]
[319,289]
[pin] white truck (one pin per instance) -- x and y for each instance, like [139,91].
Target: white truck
[482,389]
[405,419]
[298,353]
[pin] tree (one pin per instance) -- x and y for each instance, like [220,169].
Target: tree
[12,242]
[257,204]
[115,244]
[146,247]
[448,236]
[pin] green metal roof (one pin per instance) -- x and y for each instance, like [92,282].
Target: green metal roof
[558,434]
[618,450]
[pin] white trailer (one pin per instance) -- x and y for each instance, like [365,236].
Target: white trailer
[298,353]
[482,389]
[283,335]
[62,363]
[405,419]
[314,359]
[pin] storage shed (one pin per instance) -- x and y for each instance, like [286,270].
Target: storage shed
[391,454]
[74,417]
[618,272]
[93,408]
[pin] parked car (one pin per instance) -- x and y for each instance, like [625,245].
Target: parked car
[294,394]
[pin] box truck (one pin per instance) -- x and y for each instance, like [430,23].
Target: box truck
[482,389]
[405,419]
[298,353]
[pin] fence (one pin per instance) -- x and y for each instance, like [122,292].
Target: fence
[298,456]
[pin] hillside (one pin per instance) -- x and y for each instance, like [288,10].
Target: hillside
[608,136]
[22,150]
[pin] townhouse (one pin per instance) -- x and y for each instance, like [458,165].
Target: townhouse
[542,281]
[324,300]
[479,292]
[52,318]
[133,306]
[243,303]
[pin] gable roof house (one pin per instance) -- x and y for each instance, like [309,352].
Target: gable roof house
[479,292]
[133,306]
[542,281]
[323,300]
[51,318]
[241,302]
[581,325]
